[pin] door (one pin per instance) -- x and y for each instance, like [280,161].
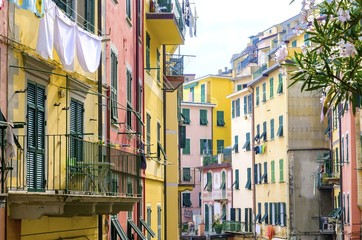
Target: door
[36,133]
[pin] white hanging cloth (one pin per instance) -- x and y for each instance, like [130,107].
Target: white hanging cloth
[10,150]
[46,31]
[64,39]
[89,49]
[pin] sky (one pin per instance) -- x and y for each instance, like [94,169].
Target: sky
[224,28]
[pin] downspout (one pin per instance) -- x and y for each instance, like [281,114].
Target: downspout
[164,143]
[341,167]
[253,157]
[100,114]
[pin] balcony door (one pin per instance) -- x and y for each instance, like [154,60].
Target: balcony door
[36,133]
[76,130]
[207,216]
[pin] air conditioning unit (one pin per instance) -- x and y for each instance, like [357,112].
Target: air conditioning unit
[325,226]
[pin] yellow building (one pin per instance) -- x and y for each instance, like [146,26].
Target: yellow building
[164,30]
[62,180]
[213,89]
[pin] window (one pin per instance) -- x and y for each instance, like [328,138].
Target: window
[148,134]
[271,87]
[88,15]
[186,150]
[236,181]
[271,129]
[257,136]
[148,52]
[128,9]
[186,174]
[233,108]
[264,92]
[186,200]
[192,94]
[248,219]
[263,135]
[342,150]
[203,93]
[186,115]
[257,173]
[248,181]
[203,117]
[159,222]
[283,213]
[220,118]
[335,118]
[158,132]
[36,133]
[158,64]
[76,129]
[257,96]
[272,171]
[66,6]
[237,107]
[236,144]
[294,43]
[208,185]
[245,105]
[281,170]
[220,146]
[182,137]
[129,99]
[265,216]
[114,88]
[306,40]
[205,146]
[280,129]
[223,180]
[347,147]
[258,216]
[149,217]
[280,85]
[239,87]
[246,145]
[265,175]
[250,105]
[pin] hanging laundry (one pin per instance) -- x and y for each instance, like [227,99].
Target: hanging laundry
[191,25]
[1,3]
[195,19]
[34,6]
[46,31]
[64,39]
[88,60]
[10,149]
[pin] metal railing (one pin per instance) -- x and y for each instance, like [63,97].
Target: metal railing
[69,164]
[239,227]
[187,176]
[173,6]
[174,64]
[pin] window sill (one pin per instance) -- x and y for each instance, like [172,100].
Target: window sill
[281,181]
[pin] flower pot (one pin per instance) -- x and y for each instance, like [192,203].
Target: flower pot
[218,228]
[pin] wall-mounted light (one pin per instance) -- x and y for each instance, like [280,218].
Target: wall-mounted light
[61,93]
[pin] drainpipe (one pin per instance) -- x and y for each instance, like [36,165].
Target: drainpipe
[100,114]
[253,157]
[164,144]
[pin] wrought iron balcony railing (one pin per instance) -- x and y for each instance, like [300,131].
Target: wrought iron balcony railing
[70,165]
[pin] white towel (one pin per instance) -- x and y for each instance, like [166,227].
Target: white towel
[88,50]
[46,31]
[64,39]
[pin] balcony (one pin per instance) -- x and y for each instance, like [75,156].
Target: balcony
[165,19]
[238,227]
[186,180]
[219,195]
[65,178]
[322,182]
[174,72]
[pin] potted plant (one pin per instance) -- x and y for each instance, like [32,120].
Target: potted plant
[217,225]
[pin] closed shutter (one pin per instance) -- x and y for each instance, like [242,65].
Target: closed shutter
[207,222]
[232,214]
[159,227]
[89,16]
[114,107]
[149,211]
[76,130]
[36,132]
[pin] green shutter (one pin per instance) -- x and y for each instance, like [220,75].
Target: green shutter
[280,85]
[272,129]
[186,114]
[148,53]
[220,146]
[89,15]
[220,118]
[347,147]
[264,92]
[128,9]
[159,223]
[182,137]
[114,83]
[245,105]
[236,144]
[237,107]
[248,181]
[149,212]
[281,170]
[36,135]
[233,109]
[76,130]
[272,171]
[186,150]
[203,93]
[236,182]
[271,87]
[294,43]
[257,96]
[203,117]
[280,129]
[148,130]
[158,59]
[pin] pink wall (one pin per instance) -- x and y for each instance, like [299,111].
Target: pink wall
[349,176]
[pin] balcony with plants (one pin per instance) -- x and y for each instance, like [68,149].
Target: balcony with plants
[166,20]
[64,175]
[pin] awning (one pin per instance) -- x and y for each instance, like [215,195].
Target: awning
[136,229]
[118,227]
[191,85]
[148,228]
[336,213]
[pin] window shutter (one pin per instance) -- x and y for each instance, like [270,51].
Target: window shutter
[272,166]
[182,140]
[281,170]
[236,178]
[271,215]
[246,220]
[232,214]
[245,105]
[89,16]
[271,86]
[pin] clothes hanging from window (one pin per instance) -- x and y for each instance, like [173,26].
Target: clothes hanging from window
[34,6]
[64,39]
[88,60]
[46,31]
[10,150]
